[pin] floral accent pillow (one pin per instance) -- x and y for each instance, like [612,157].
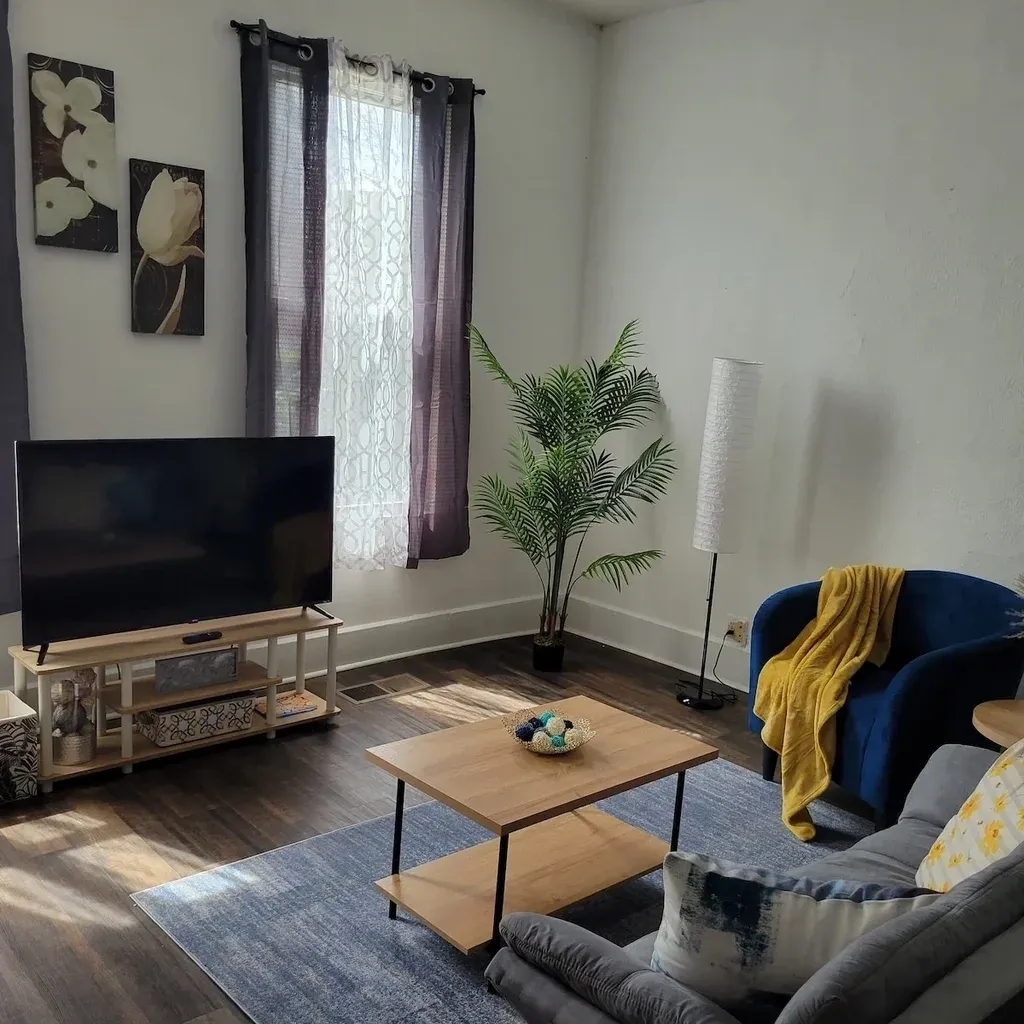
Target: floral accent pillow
[988,826]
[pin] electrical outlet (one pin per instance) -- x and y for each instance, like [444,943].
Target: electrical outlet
[738,632]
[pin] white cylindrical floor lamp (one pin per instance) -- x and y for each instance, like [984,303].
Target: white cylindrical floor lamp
[724,463]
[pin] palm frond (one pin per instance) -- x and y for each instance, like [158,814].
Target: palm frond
[496,505]
[1017,618]
[645,480]
[483,352]
[627,400]
[628,347]
[619,569]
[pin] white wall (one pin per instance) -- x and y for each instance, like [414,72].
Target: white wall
[176,69]
[833,187]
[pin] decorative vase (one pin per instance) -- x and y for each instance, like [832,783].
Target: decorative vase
[74,734]
[548,657]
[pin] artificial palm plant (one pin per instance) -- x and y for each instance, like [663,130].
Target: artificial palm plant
[565,483]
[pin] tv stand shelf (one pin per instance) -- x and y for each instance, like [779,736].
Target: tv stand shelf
[133,694]
[251,676]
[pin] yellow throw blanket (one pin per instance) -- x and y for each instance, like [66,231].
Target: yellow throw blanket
[800,691]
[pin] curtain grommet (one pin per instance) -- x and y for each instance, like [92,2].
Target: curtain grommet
[428,84]
[255,38]
[305,52]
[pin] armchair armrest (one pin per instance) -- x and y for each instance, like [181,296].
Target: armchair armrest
[603,974]
[776,625]
[930,702]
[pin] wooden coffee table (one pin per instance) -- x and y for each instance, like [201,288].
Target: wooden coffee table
[553,849]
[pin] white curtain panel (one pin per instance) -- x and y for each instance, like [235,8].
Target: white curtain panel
[366,382]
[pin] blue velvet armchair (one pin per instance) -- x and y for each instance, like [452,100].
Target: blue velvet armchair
[950,652]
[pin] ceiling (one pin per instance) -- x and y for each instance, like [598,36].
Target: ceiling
[603,12]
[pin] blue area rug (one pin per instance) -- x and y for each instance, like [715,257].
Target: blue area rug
[300,936]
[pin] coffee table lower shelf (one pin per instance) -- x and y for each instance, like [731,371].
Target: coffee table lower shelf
[551,865]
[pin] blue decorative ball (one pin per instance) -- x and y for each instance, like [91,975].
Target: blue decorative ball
[525,732]
[535,723]
[546,716]
[558,741]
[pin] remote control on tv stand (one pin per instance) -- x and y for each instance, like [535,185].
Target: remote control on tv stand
[202,638]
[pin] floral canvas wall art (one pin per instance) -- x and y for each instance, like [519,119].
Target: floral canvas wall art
[74,163]
[168,235]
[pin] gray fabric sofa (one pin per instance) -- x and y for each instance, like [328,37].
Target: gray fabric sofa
[958,961]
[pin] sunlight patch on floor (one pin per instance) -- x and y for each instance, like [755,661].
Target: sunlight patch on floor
[226,879]
[23,891]
[457,703]
[132,862]
[36,836]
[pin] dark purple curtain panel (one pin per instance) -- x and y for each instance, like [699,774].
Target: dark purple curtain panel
[13,374]
[284,154]
[442,260]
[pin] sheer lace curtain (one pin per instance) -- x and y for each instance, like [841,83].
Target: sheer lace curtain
[366,384]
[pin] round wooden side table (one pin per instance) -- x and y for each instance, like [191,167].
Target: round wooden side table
[1001,721]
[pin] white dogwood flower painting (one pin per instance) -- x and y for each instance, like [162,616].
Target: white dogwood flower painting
[58,204]
[74,154]
[168,248]
[90,156]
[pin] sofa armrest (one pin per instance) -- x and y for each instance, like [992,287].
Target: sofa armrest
[605,975]
[777,624]
[930,702]
[537,997]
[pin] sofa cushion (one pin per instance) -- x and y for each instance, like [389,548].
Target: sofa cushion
[988,826]
[890,857]
[883,974]
[604,974]
[735,933]
[947,780]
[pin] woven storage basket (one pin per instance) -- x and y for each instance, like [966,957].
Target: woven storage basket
[172,726]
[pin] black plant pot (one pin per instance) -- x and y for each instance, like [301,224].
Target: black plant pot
[548,657]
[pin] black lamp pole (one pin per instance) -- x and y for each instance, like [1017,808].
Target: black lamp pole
[712,702]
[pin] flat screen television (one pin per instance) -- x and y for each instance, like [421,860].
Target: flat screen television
[124,535]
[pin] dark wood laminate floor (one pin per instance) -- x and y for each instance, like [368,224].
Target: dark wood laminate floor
[74,948]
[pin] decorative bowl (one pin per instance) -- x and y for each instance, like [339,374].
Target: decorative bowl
[548,732]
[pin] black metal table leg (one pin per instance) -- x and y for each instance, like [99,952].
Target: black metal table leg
[396,849]
[678,813]
[499,892]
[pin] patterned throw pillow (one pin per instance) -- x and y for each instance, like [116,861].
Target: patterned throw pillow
[988,826]
[733,933]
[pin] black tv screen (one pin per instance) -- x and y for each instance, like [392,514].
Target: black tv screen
[125,535]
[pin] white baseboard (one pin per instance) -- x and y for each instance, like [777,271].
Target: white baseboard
[373,643]
[660,641]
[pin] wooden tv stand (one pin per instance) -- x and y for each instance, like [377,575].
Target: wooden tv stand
[133,694]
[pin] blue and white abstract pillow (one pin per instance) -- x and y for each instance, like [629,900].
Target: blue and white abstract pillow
[733,933]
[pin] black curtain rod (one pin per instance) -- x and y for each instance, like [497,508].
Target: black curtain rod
[280,37]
